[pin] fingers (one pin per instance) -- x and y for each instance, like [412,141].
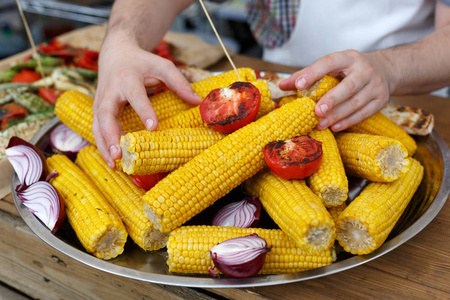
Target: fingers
[175,81]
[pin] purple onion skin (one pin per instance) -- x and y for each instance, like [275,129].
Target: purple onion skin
[244,269]
[220,220]
[15,141]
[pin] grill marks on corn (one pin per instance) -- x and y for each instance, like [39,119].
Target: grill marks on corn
[213,173]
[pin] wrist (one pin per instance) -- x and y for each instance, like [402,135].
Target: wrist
[383,62]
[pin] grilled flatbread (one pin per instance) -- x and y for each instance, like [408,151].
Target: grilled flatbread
[413,120]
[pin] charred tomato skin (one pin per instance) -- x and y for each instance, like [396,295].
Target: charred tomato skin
[228,109]
[296,158]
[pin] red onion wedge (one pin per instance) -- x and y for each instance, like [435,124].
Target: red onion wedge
[44,202]
[26,163]
[27,160]
[243,214]
[240,257]
[65,141]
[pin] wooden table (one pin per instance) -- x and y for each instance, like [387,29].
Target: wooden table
[419,269]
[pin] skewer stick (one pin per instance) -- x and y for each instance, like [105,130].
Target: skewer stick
[220,40]
[30,38]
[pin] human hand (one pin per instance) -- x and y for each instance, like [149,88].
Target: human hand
[364,88]
[126,73]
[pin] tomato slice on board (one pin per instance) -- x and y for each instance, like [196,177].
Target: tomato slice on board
[228,109]
[296,158]
[146,182]
[26,76]
[49,94]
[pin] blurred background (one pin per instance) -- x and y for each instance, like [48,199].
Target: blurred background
[50,18]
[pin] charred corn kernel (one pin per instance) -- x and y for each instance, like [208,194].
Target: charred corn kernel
[192,118]
[329,182]
[75,110]
[213,173]
[169,104]
[124,196]
[335,211]
[295,209]
[366,223]
[379,124]
[96,224]
[188,250]
[372,157]
[319,88]
[287,99]
[150,152]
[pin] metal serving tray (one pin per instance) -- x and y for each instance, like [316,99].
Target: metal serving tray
[134,263]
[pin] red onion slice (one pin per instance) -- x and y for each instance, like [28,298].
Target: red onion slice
[240,257]
[66,141]
[43,201]
[26,163]
[243,214]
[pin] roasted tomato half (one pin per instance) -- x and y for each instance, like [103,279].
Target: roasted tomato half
[26,76]
[296,158]
[228,109]
[146,182]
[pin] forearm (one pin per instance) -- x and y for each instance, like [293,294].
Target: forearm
[143,22]
[419,67]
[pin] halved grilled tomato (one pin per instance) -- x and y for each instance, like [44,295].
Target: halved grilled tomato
[146,182]
[296,158]
[228,109]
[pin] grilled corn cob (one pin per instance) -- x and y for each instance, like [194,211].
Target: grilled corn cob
[366,223]
[335,211]
[287,99]
[75,110]
[150,152]
[379,124]
[295,209]
[329,182]
[188,250]
[124,196]
[372,157]
[191,118]
[213,173]
[319,88]
[96,224]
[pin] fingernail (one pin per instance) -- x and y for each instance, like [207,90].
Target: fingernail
[113,150]
[199,99]
[324,108]
[149,124]
[323,123]
[301,82]
[337,126]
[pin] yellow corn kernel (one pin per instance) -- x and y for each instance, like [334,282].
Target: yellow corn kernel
[149,152]
[379,124]
[319,88]
[96,224]
[188,250]
[335,211]
[287,99]
[366,223]
[124,196]
[213,173]
[295,209]
[329,182]
[372,157]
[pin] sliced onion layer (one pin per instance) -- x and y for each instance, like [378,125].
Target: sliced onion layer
[243,214]
[26,163]
[66,141]
[43,201]
[240,257]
